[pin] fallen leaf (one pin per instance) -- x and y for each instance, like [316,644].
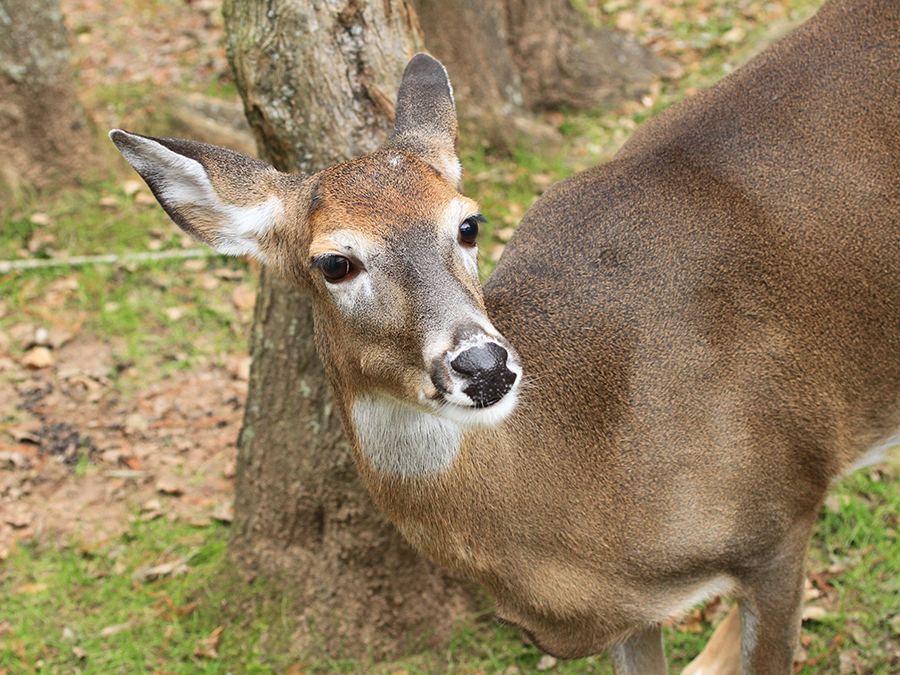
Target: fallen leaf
[736,34]
[860,636]
[40,219]
[146,573]
[224,513]
[32,589]
[18,517]
[79,652]
[18,460]
[151,505]
[206,648]
[23,435]
[238,367]
[836,503]
[715,610]
[117,628]
[130,187]
[814,613]
[229,274]
[243,297]
[546,662]
[136,423]
[37,358]
[169,484]
[851,663]
[174,313]
[22,334]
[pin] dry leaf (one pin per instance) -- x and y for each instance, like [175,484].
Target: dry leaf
[229,274]
[130,187]
[174,313]
[223,512]
[32,589]
[206,648]
[814,613]
[117,628]
[145,198]
[169,484]
[715,610]
[18,517]
[176,568]
[243,297]
[546,662]
[238,366]
[40,219]
[38,357]
[151,505]
[136,423]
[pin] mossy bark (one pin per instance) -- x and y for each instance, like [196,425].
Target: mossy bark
[319,81]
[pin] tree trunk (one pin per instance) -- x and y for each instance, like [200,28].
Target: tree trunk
[509,56]
[319,81]
[45,137]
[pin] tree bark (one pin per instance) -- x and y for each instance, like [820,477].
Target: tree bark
[45,137]
[507,57]
[319,81]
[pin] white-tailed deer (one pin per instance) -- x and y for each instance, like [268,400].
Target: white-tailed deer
[676,355]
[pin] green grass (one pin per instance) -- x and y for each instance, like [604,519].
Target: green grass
[88,609]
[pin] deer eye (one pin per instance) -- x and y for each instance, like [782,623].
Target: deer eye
[334,267]
[468,231]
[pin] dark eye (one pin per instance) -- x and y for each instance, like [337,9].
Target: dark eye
[468,231]
[334,267]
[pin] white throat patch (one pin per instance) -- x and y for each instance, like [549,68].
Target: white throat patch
[401,441]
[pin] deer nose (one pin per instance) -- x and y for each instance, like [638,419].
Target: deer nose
[485,369]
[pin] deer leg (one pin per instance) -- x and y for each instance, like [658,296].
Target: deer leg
[722,654]
[770,607]
[641,654]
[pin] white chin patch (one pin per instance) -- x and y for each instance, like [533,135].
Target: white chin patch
[470,416]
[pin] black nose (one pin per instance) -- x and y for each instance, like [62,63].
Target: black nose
[485,368]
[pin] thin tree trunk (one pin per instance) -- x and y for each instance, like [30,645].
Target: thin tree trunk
[45,137]
[319,81]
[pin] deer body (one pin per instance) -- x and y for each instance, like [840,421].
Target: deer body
[676,355]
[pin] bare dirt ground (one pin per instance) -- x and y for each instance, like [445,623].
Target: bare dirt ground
[80,454]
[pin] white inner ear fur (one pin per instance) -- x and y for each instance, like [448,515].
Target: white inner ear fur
[452,168]
[182,182]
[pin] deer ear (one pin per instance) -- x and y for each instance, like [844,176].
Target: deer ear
[425,123]
[226,200]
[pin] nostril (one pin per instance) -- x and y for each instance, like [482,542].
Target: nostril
[480,360]
[487,375]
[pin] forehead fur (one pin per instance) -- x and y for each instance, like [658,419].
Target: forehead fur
[378,192]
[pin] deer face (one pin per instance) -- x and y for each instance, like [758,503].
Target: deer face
[393,267]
